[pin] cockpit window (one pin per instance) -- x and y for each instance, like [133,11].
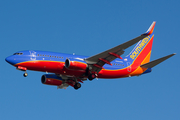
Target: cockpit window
[17,53]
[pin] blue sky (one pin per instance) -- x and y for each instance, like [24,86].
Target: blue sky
[87,28]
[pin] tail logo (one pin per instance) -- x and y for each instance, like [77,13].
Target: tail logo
[140,46]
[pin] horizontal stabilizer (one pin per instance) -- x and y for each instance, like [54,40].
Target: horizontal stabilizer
[156,62]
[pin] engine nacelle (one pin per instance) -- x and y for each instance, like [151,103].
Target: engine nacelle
[51,79]
[74,64]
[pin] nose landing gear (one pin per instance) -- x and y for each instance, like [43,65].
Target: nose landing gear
[25,74]
[22,69]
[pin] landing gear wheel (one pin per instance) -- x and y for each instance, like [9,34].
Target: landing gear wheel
[77,86]
[25,74]
[91,76]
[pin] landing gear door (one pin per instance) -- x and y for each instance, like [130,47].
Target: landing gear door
[32,55]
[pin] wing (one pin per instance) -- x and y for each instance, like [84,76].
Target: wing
[96,62]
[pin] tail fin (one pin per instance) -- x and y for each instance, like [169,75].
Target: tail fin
[142,51]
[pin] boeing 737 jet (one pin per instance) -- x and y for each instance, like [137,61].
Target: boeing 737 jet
[71,70]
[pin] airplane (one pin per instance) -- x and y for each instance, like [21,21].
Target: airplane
[63,70]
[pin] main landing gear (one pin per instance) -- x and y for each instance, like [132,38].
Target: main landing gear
[91,76]
[76,83]
[77,86]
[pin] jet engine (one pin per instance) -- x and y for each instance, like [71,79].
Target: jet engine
[51,79]
[74,64]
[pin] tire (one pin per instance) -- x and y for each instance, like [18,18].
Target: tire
[25,74]
[77,86]
[91,76]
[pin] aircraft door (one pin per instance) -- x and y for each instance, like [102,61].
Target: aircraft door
[32,55]
[128,66]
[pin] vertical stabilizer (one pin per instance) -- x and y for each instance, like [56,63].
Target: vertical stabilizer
[142,51]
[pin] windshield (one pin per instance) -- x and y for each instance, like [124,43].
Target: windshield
[17,53]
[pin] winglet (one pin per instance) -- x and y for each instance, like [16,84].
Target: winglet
[151,29]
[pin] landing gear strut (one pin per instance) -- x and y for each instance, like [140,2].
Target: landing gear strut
[77,86]
[25,74]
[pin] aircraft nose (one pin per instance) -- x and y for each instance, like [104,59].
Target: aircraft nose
[10,60]
[7,59]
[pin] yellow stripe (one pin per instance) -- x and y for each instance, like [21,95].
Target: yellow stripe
[140,70]
[142,49]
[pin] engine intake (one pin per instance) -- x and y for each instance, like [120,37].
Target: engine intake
[75,64]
